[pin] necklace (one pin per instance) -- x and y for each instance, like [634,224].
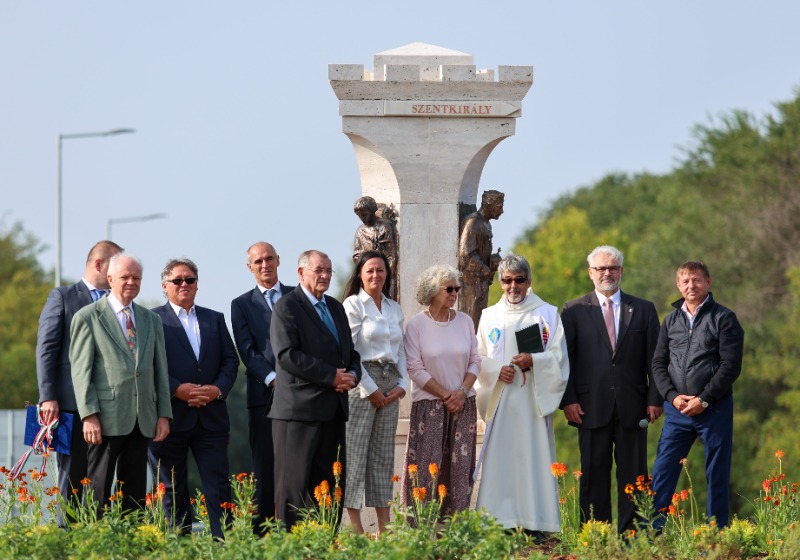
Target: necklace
[438,323]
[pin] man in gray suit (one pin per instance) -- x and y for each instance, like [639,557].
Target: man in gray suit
[56,393]
[121,379]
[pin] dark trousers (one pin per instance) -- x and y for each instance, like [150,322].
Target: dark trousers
[127,456]
[714,427]
[72,468]
[169,463]
[263,464]
[628,447]
[304,457]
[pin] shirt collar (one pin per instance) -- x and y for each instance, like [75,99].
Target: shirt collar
[89,285]
[177,309]
[685,309]
[311,297]
[615,298]
[365,297]
[116,305]
[276,287]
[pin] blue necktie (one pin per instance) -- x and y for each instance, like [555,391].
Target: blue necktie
[97,294]
[326,318]
[269,295]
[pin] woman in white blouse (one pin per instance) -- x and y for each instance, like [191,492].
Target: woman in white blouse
[376,323]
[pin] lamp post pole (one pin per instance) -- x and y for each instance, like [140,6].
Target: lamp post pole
[129,220]
[61,138]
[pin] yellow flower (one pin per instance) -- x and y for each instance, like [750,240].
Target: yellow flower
[629,489]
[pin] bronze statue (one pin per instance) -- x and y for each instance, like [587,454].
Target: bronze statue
[377,234]
[476,261]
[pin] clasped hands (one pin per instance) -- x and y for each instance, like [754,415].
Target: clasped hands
[689,405]
[522,361]
[197,395]
[344,380]
[380,400]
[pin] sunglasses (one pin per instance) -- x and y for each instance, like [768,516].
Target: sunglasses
[517,279]
[451,289]
[179,281]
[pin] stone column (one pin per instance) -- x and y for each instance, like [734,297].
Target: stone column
[423,123]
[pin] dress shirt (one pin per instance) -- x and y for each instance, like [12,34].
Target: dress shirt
[689,316]
[616,300]
[278,295]
[122,319]
[190,325]
[377,336]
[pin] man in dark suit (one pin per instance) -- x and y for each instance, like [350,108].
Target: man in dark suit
[202,370]
[317,366]
[119,370]
[251,316]
[611,337]
[56,393]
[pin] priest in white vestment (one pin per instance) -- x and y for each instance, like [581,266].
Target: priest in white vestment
[518,395]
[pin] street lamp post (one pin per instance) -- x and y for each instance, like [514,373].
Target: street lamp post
[61,138]
[129,220]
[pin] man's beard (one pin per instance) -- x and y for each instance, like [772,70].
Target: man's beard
[515,298]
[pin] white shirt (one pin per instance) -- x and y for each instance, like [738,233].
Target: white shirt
[117,307]
[190,326]
[615,305]
[377,335]
[689,316]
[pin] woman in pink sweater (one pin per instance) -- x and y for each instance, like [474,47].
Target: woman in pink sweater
[443,364]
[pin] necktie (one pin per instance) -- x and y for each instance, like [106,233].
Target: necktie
[130,330]
[608,315]
[326,318]
[97,294]
[269,295]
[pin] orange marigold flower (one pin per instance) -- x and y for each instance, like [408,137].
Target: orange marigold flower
[148,500]
[74,490]
[559,469]
[112,498]
[412,470]
[161,489]
[433,468]
[423,493]
[227,505]
[337,494]
[395,478]
[629,489]
[415,493]
[328,501]
[562,500]
[241,476]
[676,498]
[337,468]
[325,487]
[684,495]
[672,510]
[442,491]
[766,485]
[779,454]
[86,481]
[318,495]
[192,501]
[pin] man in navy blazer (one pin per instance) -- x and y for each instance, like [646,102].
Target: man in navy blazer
[251,316]
[53,371]
[317,366]
[202,364]
[610,391]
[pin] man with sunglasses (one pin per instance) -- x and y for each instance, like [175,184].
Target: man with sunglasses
[611,396]
[202,365]
[520,390]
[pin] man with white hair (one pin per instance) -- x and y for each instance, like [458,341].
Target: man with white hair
[520,390]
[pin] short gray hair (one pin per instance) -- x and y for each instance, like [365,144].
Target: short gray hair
[173,263]
[615,254]
[112,263]
[432,279]
[514,263]
[305,257]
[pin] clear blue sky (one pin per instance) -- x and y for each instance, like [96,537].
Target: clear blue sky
[238,137]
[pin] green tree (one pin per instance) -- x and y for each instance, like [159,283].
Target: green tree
[23,291]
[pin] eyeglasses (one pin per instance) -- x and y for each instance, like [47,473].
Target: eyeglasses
[516,279]
[321,271]
[179,281]
[602,269]
[451,289]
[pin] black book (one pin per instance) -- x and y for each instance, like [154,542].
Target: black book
[529,339]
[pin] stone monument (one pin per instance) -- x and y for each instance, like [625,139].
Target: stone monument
[422,123]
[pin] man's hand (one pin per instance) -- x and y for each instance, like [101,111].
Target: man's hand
[523,361]
[162,429]
[681,401]
[201,395]
[92,432]
[507,374]
[344,380]
[693,407]
[184,391]
[654,412]
[49,410]
[573,413]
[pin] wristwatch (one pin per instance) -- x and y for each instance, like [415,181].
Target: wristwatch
[465,391]
[220,397]
[703,403]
